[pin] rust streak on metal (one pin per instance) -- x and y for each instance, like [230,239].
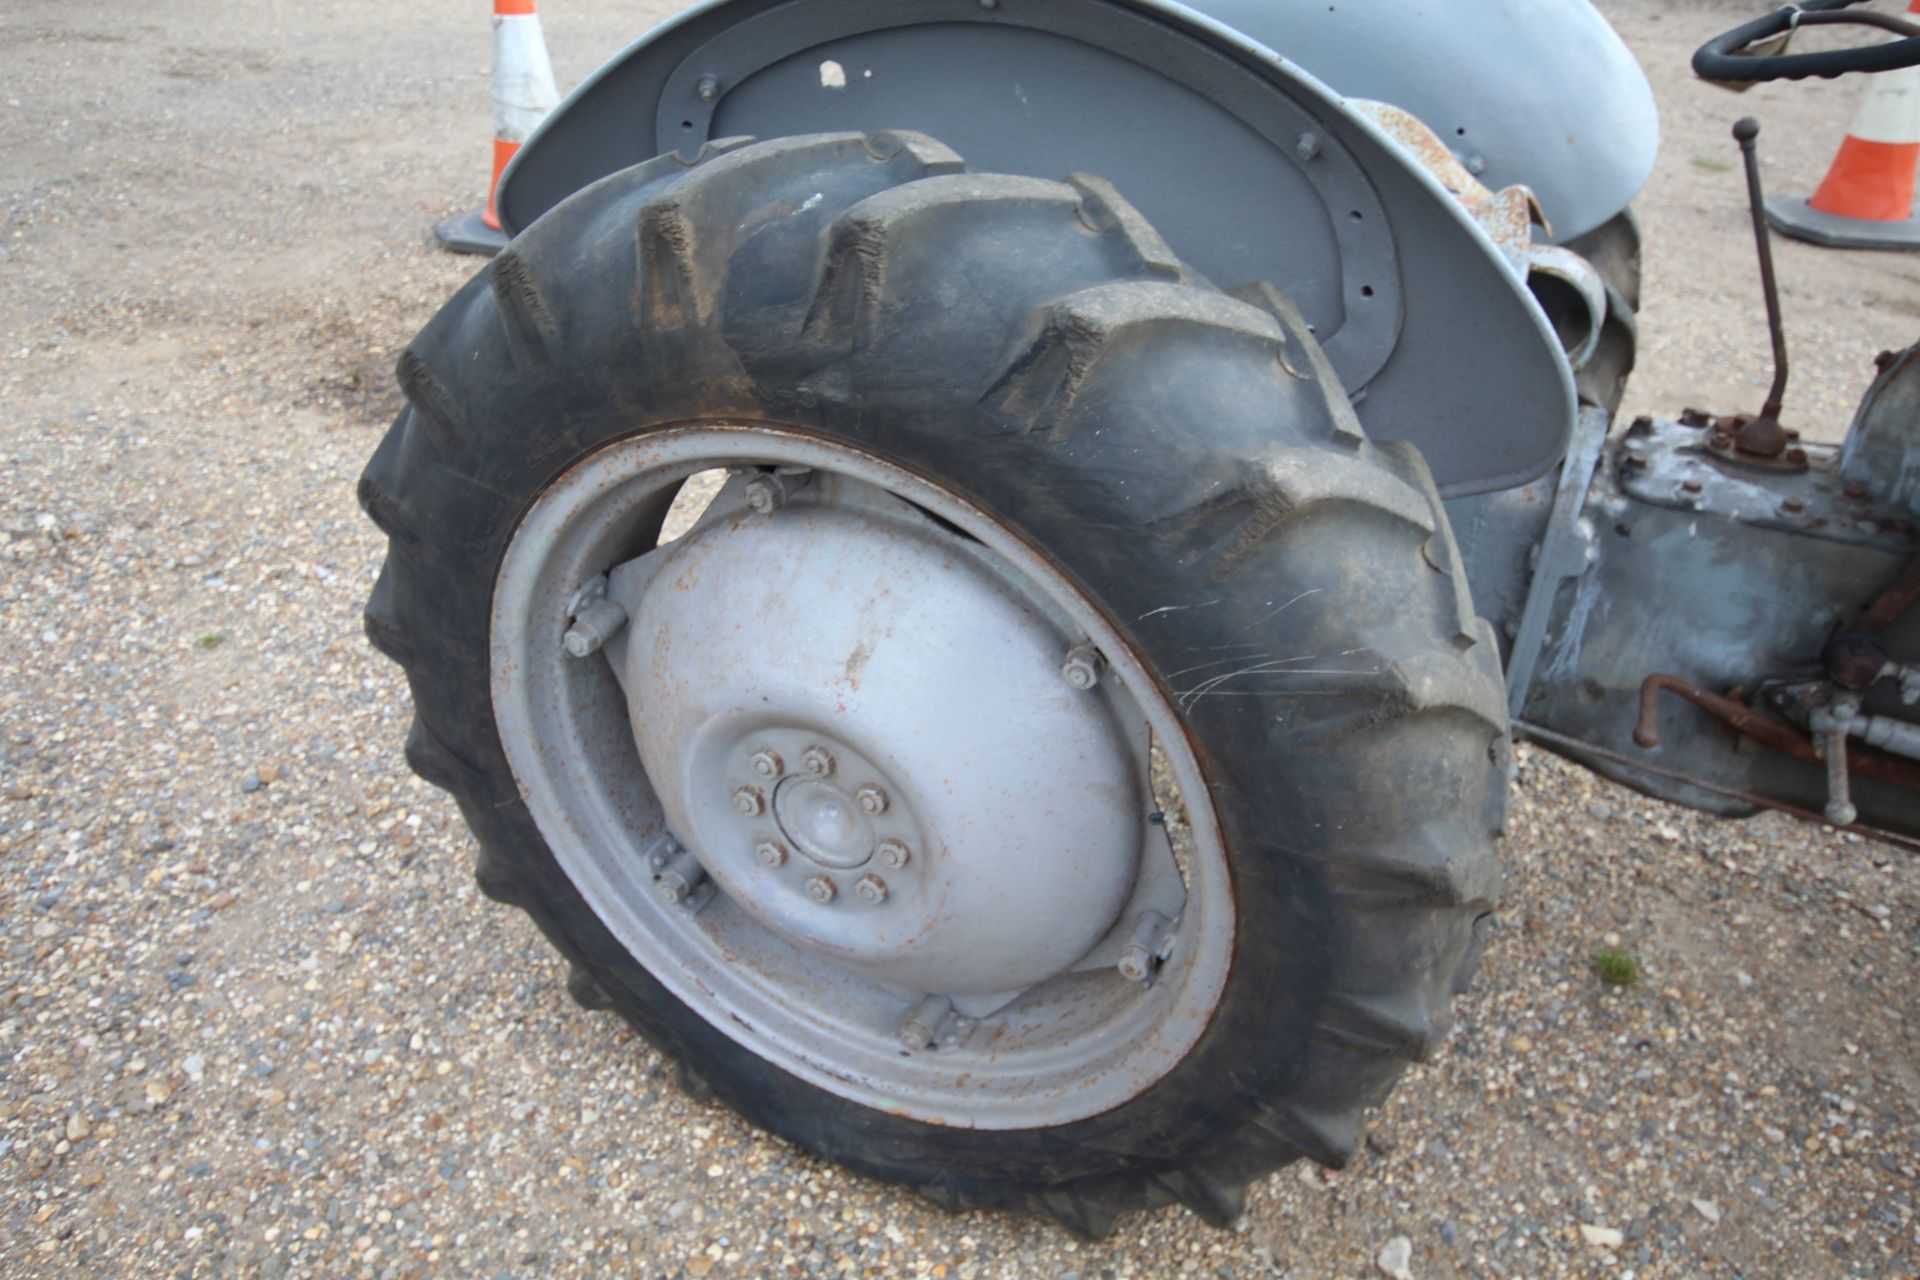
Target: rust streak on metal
[1894,601]
[1759,725]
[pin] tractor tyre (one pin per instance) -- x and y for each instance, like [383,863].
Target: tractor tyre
[1059,772]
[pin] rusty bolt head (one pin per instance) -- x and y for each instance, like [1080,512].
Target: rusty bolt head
[816,761]
[872,890]
[1855,492]
[1793,506]
[872,801]
[748,803]
[766,763]
[1690,486]
[771,853]
[1722,443]
[893,854]
[1083,667]
[820,889]
[765,494]
[1796,456]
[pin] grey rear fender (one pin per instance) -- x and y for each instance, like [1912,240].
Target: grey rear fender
[1251,168]
[1542,93]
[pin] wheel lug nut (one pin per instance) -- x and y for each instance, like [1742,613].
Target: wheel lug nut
[873,801]
[893,854]
[872,890]
[771,853]
[747,802]
[1084,667]
[766,763]
[816,761]
[820,889]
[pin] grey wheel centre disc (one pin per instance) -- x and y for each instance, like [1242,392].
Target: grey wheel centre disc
[871,795]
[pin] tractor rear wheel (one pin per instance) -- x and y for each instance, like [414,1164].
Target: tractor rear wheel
[1058,771]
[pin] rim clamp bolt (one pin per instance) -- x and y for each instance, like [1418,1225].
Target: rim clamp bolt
[817,762]
[682,881]
[922,1027]
[1148,946]
[748,803]
[598,621]
[872,890]
[766,494]
[821,889]
[872,801]
[1084,667]
[893,854]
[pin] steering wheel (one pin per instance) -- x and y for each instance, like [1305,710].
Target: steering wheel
[1719,58]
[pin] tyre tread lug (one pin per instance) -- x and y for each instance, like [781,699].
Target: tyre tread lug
[533,328]
[1105,210]
[1086,1216]
[385,629]
[384,507]
[1043,385]
[853,282]
[1328,1138]
[432,403]
[1399,1024]
[1216,1201]
[586,990]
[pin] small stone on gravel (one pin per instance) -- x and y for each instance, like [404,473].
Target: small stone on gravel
[1395,1259]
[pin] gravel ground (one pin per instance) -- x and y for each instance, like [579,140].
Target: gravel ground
[254,1017]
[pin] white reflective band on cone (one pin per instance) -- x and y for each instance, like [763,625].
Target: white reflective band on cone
[1891,110]
[523,88]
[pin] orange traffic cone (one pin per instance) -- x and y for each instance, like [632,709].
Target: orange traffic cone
[523,95]
[1866,201]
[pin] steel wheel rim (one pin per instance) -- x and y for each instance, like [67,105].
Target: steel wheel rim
[1074,1045]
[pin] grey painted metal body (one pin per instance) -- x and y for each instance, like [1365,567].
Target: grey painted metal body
[1253,169]
[1545,95]
[1730,577]
[1882,451]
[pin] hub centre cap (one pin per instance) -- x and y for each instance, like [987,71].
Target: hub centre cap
[823,822]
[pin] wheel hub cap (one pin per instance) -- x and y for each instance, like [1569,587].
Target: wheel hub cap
[836,681]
